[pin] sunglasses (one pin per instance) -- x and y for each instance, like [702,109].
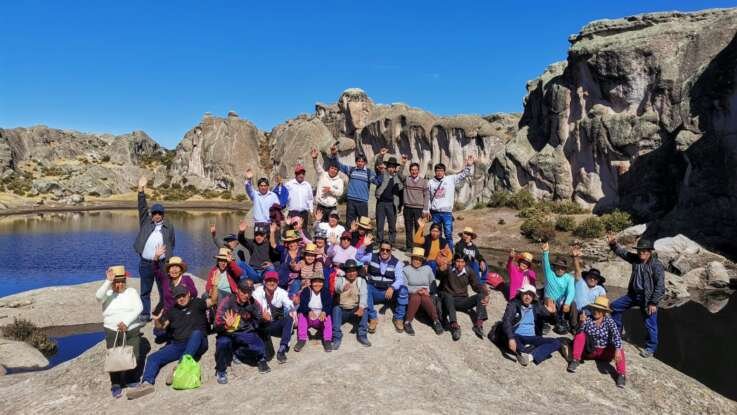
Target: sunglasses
[385,249]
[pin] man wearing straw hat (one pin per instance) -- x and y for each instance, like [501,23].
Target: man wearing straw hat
[603,333]
[467,247]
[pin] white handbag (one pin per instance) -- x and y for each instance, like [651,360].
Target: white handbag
[120,358]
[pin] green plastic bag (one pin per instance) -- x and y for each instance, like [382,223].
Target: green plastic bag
[187,374]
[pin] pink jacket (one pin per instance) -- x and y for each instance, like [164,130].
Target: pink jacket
[517,276]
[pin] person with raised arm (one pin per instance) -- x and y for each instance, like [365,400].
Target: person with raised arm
[262,199]
[330,186]
[442,189]
[416,197]
[559,290]
[388,197]
[360,179]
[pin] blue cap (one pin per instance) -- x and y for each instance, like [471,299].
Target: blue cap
[230,237]
[157,208]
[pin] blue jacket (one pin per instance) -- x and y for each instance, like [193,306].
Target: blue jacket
[359,181]
[513,315]
[282,193]
[304,300]
[647,280]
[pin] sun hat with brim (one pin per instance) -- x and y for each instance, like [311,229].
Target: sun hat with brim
[600,303]
[560,262]
[594,273]
[525,256]
[230,238]
[391,162]
[119,272]
[468,230]
[223,254]
[175,260]
[528,288]
[350,265]
[417,252]
[645,244]
[365,223]
[291,236]
[310,249]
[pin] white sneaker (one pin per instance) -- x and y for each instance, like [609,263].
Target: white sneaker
[524,359]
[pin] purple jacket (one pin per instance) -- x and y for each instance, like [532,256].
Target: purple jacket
[166,287]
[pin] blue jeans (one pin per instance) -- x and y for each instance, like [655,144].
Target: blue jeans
[280,328]
[342,315]
[228,343]
[624,303]
[481,273]
[146,272]
[541,348]
[400,300]
[195,346]
[445,219]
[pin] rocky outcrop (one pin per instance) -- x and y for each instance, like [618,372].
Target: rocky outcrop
[641,116]
[20,355]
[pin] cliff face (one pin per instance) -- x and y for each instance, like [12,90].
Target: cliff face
[641,116]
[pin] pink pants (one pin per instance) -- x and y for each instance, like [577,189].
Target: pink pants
[303,323]
[601,353]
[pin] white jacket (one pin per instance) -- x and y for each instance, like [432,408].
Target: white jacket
[336,184]
[280,300]
[125,307]
[443,192]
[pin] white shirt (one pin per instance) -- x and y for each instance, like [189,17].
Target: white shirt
[154,240]
[315,303]
[336,185]
[280,299]
[125,306]
[300,195]
[443,192]
[332,232]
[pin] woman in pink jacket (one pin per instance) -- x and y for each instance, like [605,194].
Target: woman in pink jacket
[520,272]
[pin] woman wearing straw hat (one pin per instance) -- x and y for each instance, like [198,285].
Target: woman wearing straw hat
[519,268]
[121,307]
[419,277]
[174,276]
[289,255]
[601,331]
[224,276]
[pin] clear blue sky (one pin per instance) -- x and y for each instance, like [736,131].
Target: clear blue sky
[106,66]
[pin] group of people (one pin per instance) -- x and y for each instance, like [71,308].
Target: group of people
[295,276]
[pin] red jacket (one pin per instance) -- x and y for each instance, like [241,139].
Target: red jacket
[233,271]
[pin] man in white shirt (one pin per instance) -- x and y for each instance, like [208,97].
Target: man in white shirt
[300,202]
[442,196]
[329,186]
[278,313]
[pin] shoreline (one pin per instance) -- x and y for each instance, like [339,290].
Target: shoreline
[126,205]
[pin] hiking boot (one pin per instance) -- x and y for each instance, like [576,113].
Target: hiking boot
[372,326]
[263,367]
[646,353]
[621,381]
[117,392]
[438,327]
[565,349]
[364,341]
[546,328]
[143,389]
[572,366]
[221,377]
[399,325]
[455,332]
[327,345]
[478,330]
[300,344]
[336,344]
[408,328]
[524,359]
[281,357]
[170,377]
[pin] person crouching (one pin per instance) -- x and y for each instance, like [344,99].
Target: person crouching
[314,304]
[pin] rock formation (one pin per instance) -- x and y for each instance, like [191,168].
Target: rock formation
[641,116]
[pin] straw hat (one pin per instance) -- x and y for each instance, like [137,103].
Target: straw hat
[290,236]
[175,260]
[223,254]
[600,303]
[310,249]
[119,272]
[525,256]
[365,223]
[417,252]
[468,230]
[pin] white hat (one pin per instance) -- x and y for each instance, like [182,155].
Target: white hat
[528,288]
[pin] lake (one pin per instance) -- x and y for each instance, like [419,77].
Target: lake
[70,248]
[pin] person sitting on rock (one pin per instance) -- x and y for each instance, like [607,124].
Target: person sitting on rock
[330,187]
[645,290]
[559,290]
[420,277]
[307,267]
[223,277]
[121,307]
[301,198]
[434,245]
[314,311]
[602,332]
[278,314]
[454,283]
[442,190]
[332,229]
[186,325]
[522,328]
[416,198]
[262,199]
[351,303]
[259,251]
[360,229]
[237,321]
[519,268]
[229,241]
[174,276]
[388,197]
[359,183]
[465,246]
[154,231]
[386,285]
[288,254]
[342,252]
[589,286]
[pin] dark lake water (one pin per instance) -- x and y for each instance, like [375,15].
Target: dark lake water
[70,248]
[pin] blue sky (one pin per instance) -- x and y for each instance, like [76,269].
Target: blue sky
[103,66]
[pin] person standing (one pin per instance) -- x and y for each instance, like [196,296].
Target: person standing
[154,231]
[416,200]
[301,199]
[360,179]
[388,197]
[442,190]
[262,199]
[330,186]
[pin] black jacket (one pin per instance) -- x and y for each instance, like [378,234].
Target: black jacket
[184,320]
[325,297]
[649,275]
[513,315]
[147,226]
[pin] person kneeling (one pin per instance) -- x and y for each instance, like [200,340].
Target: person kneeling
[454,282]
[236,322]
[314,302]
[352,295]
[602,333]
[186,325]
[522,325]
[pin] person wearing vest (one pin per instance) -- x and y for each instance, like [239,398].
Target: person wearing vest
[435,246]
[351,301]
[359,183]
[388,197]
[416,198]
[454,283]
[330,186]
[278,314]
[442,190]
[385,284]
[154,231]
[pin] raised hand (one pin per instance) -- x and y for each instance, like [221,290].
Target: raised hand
[273,228]
[576,251]
[109,274]
[611,238]
[318,215]
[142,181]
[278,179]
[383,151]
[249,174]
[404,158]
[160,251]
[545,247]
[313,153]
[354,225]
[470,160]
[512,253]
[333,150]
[368,239]
[333,239]
[213,229]
[242,226]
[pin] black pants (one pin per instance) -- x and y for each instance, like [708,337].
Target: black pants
[325,211]
[353,210]
[133,339]
[386,211]
[410,225]
[451,304]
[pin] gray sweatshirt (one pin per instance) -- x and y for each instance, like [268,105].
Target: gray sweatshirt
[418,278]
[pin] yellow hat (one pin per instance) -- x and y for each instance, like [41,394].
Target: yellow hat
[417,252]
[223,254]
[175,260]
[290,236]
[525,256]
[468,230]
[119,272]
[365,223]
[310,249]
[601,303]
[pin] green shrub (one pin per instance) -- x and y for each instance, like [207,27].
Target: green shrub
[616,221]
[565,223]
[522,199]
[538,228]
[499,199]
[240,197]
[530,212]
[590,228]
[565,207]
[20,330]
[226,195]
[43,343]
